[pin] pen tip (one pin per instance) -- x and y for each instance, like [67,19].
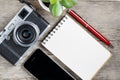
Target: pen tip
[111,46]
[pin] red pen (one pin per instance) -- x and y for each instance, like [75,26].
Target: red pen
[89,27]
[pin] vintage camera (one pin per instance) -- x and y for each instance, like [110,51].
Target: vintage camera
[21,33]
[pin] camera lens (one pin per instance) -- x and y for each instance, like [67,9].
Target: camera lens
[26,34]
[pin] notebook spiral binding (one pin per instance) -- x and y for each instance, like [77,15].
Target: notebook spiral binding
[54,30]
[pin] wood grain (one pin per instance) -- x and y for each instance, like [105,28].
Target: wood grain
[103,15]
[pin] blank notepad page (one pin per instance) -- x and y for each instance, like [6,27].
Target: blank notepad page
[78,50]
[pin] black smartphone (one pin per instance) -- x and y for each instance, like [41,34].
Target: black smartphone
[44,68]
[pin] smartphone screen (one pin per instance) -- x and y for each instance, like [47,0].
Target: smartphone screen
[43,68]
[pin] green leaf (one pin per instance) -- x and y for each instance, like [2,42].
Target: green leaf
[46,1]
[68,3]
[53,1]
[56,9]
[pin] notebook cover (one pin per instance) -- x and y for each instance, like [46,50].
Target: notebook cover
[76,48]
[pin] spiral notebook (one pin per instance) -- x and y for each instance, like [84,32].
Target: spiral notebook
[76,48]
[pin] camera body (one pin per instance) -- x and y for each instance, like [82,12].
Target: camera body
[21,33]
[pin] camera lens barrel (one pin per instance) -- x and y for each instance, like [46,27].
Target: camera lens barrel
[26,33]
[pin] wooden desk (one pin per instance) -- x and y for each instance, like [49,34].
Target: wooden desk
[103,15]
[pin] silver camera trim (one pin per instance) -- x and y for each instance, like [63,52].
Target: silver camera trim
[15,21]
[34,26]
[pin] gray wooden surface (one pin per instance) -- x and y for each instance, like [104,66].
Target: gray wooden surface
[103,15]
